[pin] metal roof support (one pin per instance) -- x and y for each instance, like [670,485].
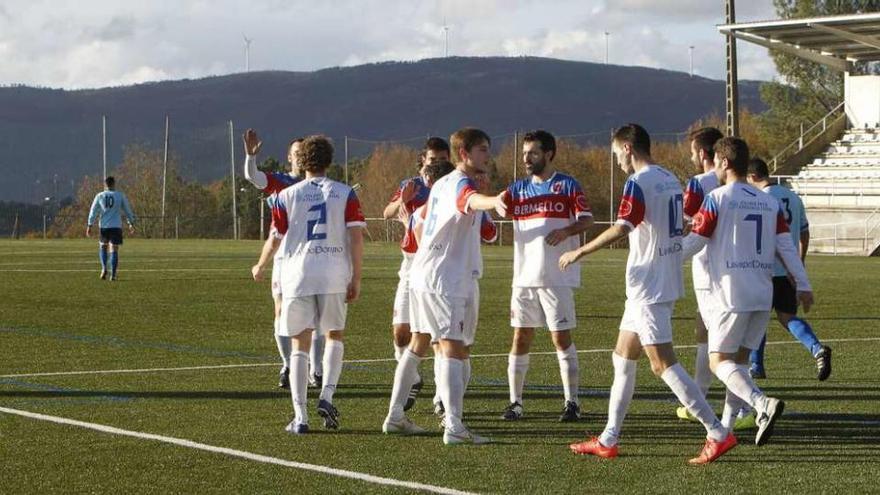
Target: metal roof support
[870,41]
[833,62]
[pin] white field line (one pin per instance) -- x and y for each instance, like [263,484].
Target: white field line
[360,361]
[342,473]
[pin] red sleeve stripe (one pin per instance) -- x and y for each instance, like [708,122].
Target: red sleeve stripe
[353,213]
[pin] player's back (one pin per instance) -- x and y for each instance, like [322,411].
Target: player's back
[314,216]
[110,205]
[795,216]
[448,256]
[742,223]
[652,207]
[694,194]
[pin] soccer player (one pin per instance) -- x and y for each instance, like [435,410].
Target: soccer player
[651,215]
[743,230]
[784,293]
[445,270]
[702,157]
[411,194]
[271,184]
[109,204]
[549,210]
[319,226]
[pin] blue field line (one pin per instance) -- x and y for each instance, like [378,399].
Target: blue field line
[134,344]
[62,390]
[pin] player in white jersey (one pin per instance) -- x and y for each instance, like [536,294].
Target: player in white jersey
[549,210]
[702,157]
[651,216]
[743,230]
[319,228]
[271,184]
[109,204]
[784,293]
[445,270]
[411,194]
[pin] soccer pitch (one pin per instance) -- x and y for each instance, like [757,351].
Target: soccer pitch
[165,381]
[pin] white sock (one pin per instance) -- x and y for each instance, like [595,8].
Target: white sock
[517,367]
[299,384]
[316,353]
[453,392]
[398,351]
[689,395]
[621,395]
[465,374]
[405,375]
[570,372]
[438,361]
[737,380]
[732,406]
[333,351]
[284,346]
[702,372]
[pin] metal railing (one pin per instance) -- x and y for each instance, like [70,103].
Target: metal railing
[805,136]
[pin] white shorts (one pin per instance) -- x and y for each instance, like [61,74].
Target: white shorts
[321,312]
[276,277]
[401,297]
[445,317]
[539,307]
[653,322]
[728,331]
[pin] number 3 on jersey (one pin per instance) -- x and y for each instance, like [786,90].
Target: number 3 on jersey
[311,225]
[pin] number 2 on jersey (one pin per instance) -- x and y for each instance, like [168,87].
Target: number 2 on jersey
[311,235]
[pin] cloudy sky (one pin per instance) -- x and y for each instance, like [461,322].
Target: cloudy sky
[97,43]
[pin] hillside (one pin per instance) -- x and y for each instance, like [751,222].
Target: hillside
[46,133]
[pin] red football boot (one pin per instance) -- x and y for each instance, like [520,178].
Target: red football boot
[713,450]
[594,447]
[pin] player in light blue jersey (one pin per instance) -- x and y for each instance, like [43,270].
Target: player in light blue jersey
[109,205]
[784,293]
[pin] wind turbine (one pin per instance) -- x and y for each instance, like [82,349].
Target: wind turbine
[446,36]
[247,53]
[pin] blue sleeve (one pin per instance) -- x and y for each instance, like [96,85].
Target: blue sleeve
[93,211]
[126,207]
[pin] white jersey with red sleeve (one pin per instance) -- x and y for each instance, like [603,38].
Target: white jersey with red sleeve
[313,217]
[448,257]
[742,224]
[651,207]
[538,208]
[697,188]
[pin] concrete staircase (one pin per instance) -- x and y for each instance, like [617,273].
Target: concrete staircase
[841,191]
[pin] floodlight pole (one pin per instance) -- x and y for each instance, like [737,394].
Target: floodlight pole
[232,178]
[731,86]
[515,146]
[346,159]
[104,142]
[165,171]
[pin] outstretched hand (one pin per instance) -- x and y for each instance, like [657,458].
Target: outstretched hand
[252,143]
[568,258]
[501,203]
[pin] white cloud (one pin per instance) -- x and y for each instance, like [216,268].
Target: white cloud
[105,42]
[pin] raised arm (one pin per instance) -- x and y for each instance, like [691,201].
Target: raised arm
[609,236]
[252,146]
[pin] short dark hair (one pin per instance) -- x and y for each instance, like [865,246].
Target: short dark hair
[736,151]
[548,142]
[759,168]
[466,139]
[109,181]
[294,141]
[634,135]
[705,139]
[436,144]
[435,170]
[315,154]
